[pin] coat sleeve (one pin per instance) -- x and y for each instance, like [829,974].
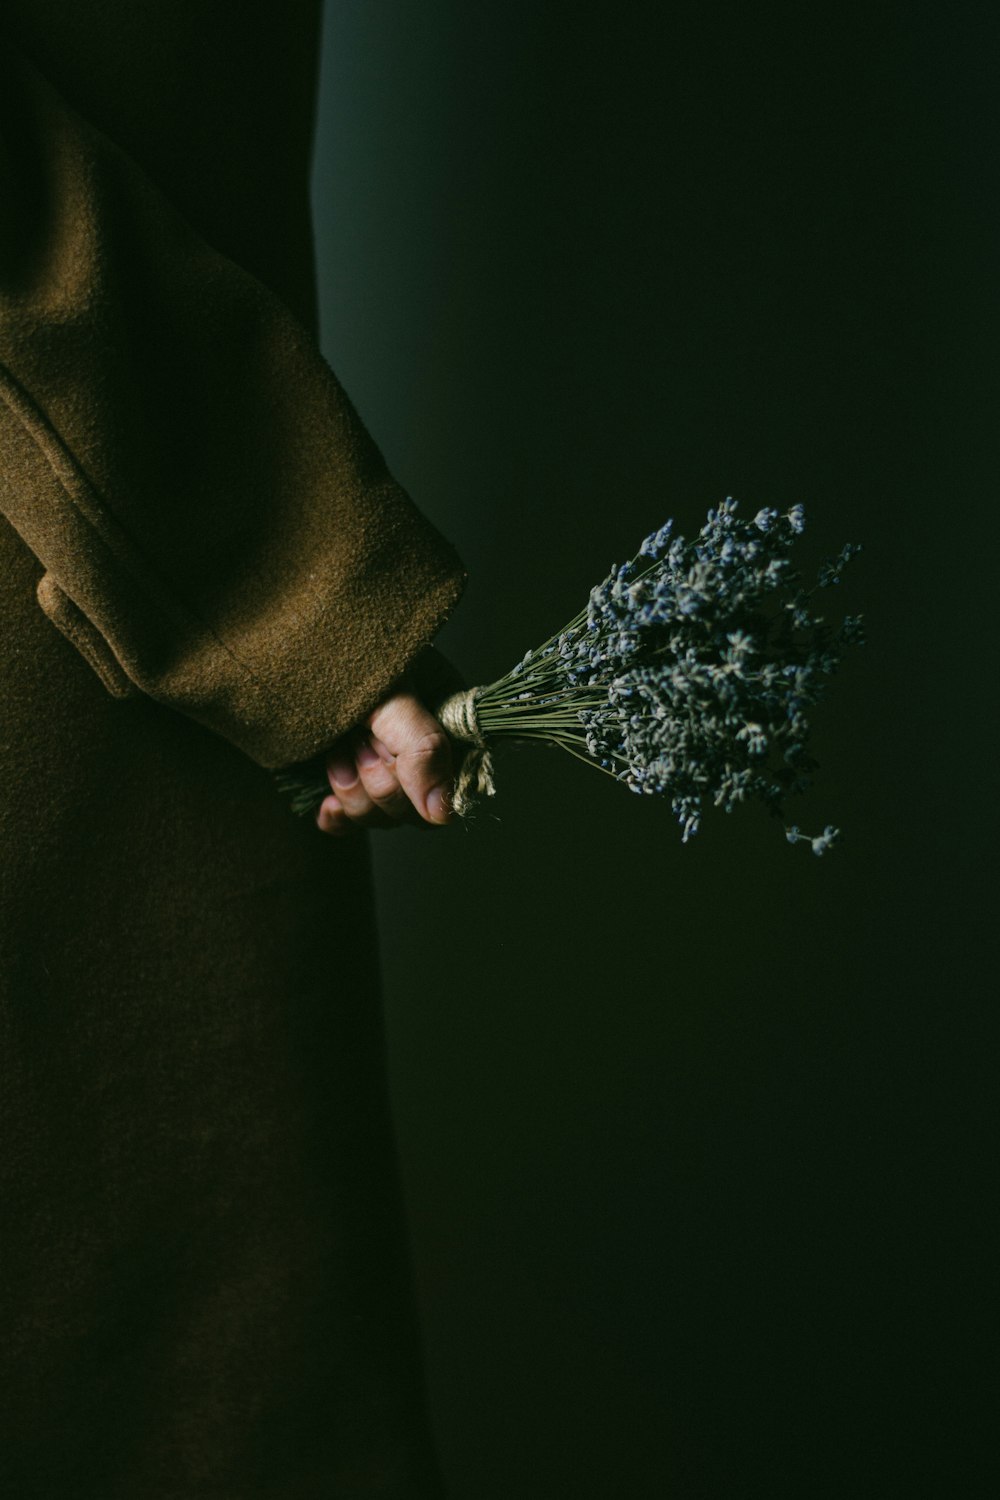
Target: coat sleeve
[217,528]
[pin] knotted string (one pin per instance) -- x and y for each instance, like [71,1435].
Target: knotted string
[475,774]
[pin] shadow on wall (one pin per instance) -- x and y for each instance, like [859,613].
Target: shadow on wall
[686,1131]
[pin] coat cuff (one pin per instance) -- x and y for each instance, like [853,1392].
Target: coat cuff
[280,661]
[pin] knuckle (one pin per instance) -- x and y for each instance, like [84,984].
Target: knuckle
[393,806]
[392,715]
[431,746]
[356,803]
[379,782]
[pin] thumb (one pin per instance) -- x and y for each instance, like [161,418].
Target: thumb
[411,733]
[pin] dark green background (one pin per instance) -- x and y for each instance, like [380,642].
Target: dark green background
[698,1140]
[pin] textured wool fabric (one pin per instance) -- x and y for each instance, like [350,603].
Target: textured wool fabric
[217,527]
[205,571]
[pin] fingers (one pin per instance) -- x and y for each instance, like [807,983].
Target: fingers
[399,771]
[365,790]
[422,751]
[378,777]
[331,818]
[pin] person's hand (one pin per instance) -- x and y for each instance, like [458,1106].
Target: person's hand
[395,769]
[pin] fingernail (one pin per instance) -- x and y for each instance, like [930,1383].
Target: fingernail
[437,805]
[343,772]
[366,756]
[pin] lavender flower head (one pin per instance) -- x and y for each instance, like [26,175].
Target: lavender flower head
[691,671]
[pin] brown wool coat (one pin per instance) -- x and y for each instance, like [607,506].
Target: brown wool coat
[205,572]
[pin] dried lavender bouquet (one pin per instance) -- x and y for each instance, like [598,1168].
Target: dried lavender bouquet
[688,674]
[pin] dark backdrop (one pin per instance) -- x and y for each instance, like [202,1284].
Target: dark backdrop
[698,1141]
